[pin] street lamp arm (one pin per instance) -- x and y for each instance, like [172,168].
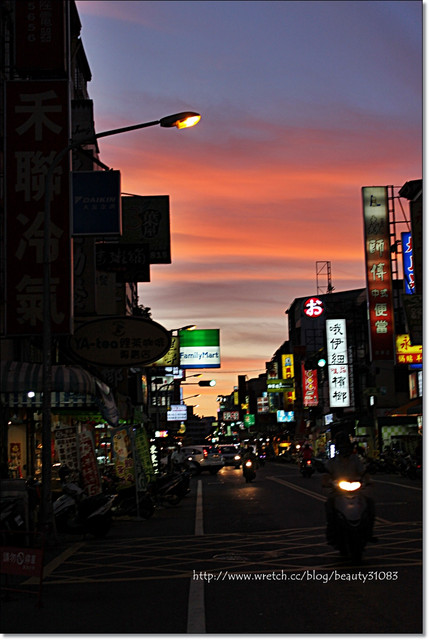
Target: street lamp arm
[114,132]
[182,120]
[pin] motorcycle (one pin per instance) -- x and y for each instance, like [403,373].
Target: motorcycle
[306,468]
[75,512]
[249,470]
[351,519]
[407,466]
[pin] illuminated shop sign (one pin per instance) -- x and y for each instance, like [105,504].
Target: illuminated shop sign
[313,307]
[287,365]
[199,349]
[406,353]
[285,416]
[378,271]
[249,420]
[407,262]
[231,416]
[279,386]
[263,404]
[177,412]
[338,369]
[309,387]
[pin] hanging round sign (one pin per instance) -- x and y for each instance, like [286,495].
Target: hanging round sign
[118,341]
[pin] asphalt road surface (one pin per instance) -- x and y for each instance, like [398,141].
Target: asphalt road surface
[235,558]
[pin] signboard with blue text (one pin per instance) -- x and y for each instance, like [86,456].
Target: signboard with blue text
[407,262]
[97,203]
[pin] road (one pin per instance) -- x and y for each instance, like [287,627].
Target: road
[237,558]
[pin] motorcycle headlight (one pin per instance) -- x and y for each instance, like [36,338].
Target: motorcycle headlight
[248,463]
[349,486]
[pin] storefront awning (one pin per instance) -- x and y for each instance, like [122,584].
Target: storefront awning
[72,386]
[412,408]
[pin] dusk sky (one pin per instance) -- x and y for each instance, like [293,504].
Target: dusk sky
[302,104]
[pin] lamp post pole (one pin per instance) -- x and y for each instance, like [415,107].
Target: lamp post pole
[179,120]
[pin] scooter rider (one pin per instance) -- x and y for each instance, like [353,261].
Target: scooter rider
[351,467]
[307,453]
[249,455]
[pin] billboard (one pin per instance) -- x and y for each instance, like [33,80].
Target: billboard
[309,387]
[199,349]
[146,220]
[130,262]
[230,416]
[280,385]
[177,412]
[407,262]
[40,36]
[120,341]
[37,129]
[97,203]
[287,365]
[285,416]
[338,369]
[407,353]
[378,272]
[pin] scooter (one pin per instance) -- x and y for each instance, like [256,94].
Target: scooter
[249,470]
[75,512]
[351,519]
[307,468]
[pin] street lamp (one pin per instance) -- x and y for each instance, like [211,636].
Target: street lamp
[181,121]
[201,383]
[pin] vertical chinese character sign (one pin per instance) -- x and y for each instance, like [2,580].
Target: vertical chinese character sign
[407,262]
[378,272]
[310,390]
[338,368]
[37,125]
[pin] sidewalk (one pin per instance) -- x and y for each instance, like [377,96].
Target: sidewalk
[70,607]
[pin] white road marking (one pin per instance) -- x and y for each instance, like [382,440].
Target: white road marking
[196,609]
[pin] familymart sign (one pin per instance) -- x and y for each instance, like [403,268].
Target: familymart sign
[199,349]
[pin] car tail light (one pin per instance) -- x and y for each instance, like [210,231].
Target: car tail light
[205,453]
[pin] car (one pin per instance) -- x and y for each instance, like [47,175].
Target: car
[231,455]
[204,457]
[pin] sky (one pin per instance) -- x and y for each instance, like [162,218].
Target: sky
[303,103]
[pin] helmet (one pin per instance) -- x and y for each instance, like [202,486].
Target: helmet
[343,444]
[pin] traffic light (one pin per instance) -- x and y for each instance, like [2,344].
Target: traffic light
[207,383]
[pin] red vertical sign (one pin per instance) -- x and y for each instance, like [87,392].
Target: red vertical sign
[309,387]
[378,272]
[37,128]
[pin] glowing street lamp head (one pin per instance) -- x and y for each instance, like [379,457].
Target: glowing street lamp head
[182,120]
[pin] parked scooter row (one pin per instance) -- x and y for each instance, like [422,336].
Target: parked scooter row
[75,512]
[396,462]
[165,489]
